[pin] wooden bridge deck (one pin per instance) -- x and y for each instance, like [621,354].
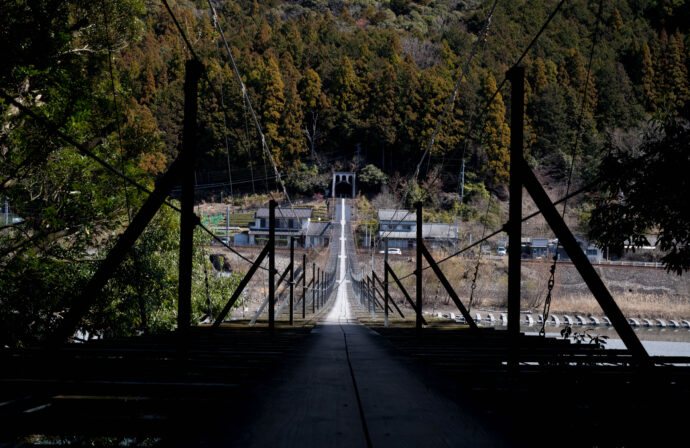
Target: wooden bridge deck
[241,387]
[339,383]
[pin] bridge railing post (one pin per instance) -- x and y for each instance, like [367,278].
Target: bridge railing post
[385,285]
[373,294]
[313,288]
[304,286]
[292,279]
[271,265]
[419,272]
[318,288]
[368,286]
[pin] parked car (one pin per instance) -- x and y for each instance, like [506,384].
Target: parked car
[501,251]
[392,251]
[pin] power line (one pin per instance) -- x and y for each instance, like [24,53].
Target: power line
[449,104]
[505,225]
[451,99]
[225,127]
[84,150]
[519,60]
[264,145]
[573,155]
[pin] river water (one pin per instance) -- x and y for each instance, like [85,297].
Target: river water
[657,341]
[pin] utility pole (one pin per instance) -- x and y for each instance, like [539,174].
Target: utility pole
[227,224]
[462,183]
[271,265]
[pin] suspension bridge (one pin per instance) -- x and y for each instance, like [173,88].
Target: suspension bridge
[350,367]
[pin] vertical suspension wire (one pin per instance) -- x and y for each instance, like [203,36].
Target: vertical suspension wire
[473,286]
[448,107]
[225,120]
[264,145]
[249,144]
[573,154]
[117,113]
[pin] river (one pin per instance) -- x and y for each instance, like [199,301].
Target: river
[657,341]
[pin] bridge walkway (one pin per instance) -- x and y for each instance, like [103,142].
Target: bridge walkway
[349,388]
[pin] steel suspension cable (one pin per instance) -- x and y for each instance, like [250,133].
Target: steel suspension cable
[492,98]
[51,127]
[262,136]
[117,114]
[573,154]
[505,225]
[449,105]
[225,127]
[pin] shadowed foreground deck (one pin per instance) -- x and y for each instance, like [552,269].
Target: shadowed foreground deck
[340,384]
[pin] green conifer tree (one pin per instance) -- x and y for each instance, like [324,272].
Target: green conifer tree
[346,87]
[496,134]
[293,142]
[539,76]
[675,79]
[273,105]
[648,78]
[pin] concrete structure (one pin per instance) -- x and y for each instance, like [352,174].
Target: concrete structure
[343,184]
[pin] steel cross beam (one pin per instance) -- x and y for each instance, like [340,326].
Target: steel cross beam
[583,266]
[83,302]
[117,254]
[449,289]
[281,279]
[404,291]
[385,298]
[241,286]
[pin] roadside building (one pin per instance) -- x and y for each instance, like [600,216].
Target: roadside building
[318,234]
[290,222]
[400,227]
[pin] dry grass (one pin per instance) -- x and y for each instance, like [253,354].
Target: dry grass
[638,292]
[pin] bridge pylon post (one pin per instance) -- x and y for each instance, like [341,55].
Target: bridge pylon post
[319,293]
[304,286]
[516,75]
[420,242]
[292,279]
[271,265]
[187,220]
[385,285]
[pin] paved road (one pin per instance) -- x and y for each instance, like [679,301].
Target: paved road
[350,389]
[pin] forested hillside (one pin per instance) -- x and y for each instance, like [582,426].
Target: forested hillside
[376,76]
[333,84]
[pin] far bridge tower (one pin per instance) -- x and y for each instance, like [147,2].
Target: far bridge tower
[343,184]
